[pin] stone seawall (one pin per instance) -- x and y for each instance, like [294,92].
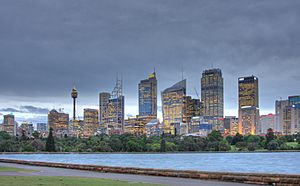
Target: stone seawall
[253,178]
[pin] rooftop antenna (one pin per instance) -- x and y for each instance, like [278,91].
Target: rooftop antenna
[196,93]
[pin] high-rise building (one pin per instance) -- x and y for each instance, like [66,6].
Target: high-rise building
[91,124]
[212,94]
[76,128]
[25,130]
[279,112]
[112,110]
[148,96]
[294,100]
[231,125]
[137,125]
[103,106]
[248,105]
[59,122]
[41,127]
[191,108]
[267,122]
[115,115]
[9,124]
[288,115]
[291,116]
[172,107]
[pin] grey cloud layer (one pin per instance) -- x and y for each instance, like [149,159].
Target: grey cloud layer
[48,46]
[26,109]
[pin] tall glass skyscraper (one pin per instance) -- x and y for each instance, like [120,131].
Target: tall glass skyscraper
[148,96]
[172,106]
[248,105]
[103,106]
[212,94]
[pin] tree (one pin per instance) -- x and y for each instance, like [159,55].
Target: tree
[36,134]
[215,136]
[237,138]
[163,145]
[50,144]
[4,135]
[252,146]
[270,136]
[224,146]
[273,145]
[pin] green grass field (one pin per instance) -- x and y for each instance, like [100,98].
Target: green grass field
[12,169]
[62,181]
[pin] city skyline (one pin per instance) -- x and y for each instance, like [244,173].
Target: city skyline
[43,111]
[87,45]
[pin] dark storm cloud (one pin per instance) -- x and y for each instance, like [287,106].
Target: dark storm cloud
[26,109]
[46,47]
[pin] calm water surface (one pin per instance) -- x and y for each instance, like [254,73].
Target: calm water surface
[285,162]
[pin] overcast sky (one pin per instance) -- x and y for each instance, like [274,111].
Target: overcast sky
[47,47]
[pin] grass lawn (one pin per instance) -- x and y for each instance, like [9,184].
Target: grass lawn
[62,181]
[292,144]
[12,169]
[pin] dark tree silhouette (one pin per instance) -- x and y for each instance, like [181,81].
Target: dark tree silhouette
[50,145]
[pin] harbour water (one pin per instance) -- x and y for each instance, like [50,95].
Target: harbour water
[279,162]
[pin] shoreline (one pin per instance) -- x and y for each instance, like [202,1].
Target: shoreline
[253,178]
[182,152]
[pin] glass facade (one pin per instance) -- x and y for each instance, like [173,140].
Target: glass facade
[248,105]
[148,96]
[172,106]
[103,105]
[115,115]
[90,122]
[212,94]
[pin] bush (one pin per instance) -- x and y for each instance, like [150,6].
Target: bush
[273,145]
[224,146]
[242,145]
[252,146]
[285,147]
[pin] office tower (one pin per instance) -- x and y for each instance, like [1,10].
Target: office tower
[294,101]
[291,116]
[103,106]
[267,122]
[115,115]
[212,93]
[202,125]
[279,111]
[41,127]
[59,122]
[112,110]
[231,125]
[25,130]
[91,124]
[76,128]
[248,105]
[172,107]
[74,95]
[191,108]
[148,96]
[137,125]
[9,124]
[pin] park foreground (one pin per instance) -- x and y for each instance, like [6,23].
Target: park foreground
[16,174]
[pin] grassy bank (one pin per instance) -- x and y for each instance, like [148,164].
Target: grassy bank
[12,169]
[63,181]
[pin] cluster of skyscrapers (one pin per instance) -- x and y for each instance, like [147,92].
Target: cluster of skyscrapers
[182,114]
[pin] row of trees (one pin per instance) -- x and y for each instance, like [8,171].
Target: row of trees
[132,143]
